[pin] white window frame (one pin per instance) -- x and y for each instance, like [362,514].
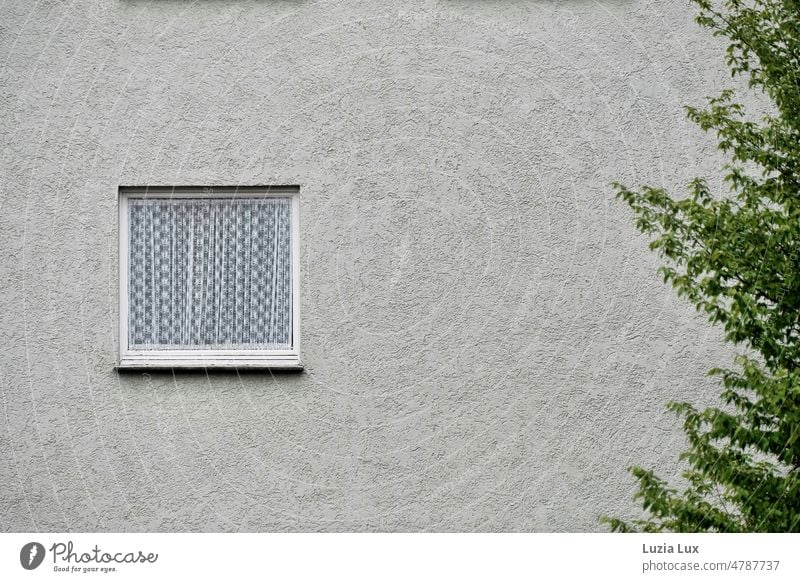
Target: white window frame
[134,359]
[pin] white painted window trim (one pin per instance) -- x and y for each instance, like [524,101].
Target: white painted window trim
[135,359]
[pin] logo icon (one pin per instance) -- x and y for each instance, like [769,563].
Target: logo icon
[31,555]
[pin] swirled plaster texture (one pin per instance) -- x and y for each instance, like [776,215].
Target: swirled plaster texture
[487,344]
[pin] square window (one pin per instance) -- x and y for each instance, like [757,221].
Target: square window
[209,277]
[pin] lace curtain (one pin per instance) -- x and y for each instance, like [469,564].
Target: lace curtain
[210,273]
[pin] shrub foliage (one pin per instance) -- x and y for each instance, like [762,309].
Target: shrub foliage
[736,257]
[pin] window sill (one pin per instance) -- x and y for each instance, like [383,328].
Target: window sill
[210,364]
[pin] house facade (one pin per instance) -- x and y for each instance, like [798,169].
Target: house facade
[463,330]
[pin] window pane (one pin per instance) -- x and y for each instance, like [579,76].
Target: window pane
[211,273]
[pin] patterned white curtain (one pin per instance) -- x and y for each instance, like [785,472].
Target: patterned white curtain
[210,273]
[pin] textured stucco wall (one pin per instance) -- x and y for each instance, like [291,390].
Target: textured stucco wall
[487,344]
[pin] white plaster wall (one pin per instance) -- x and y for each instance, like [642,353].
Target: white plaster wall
[487,344]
